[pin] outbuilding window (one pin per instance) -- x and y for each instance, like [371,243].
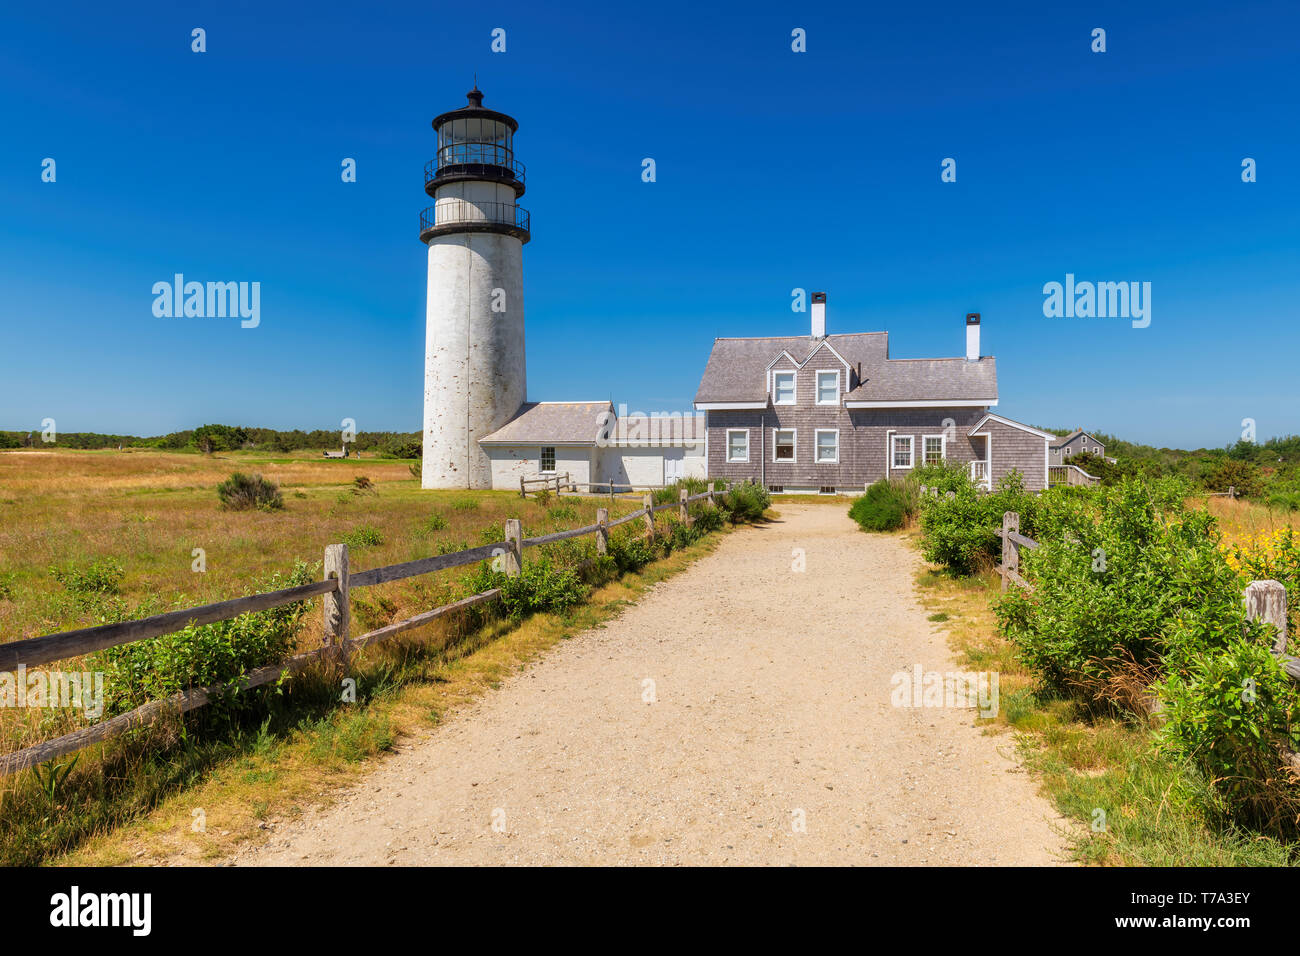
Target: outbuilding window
[548,459]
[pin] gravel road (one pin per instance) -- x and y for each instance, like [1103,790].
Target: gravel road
[739,714]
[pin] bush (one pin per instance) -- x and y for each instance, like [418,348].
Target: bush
[961,532]
[364,536]
[102,576]
[540,586]
[1232,713]
[435,522]
[241,492]
[204,655]
[884,507]
[1243,477]
[746,502]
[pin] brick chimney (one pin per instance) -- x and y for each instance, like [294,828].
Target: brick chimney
[972,336]
[819,315]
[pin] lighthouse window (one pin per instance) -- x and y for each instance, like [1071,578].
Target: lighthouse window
[548,459]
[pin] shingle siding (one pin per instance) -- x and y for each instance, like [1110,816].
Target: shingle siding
[862,438]
[1019,450]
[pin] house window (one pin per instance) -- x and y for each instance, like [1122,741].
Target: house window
[902,457]
[783,444]
[783,388]
[737,444]
[828,388]
[776,489]
[934,450]
[828,446]
[548,459]
[826,490]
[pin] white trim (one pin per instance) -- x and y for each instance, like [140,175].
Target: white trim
[817,348]
[943,447]
[795,450]
[817,447]
[940,403]
[1006,421]
[533,442]
[727,447]
[794,389]
[911,452]
[817,385]
[726,406]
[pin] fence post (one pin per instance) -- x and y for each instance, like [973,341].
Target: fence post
[649,515]
[514,548]
[1266,601]
[337,610]
[1010,550]
[522,492]
[682,515]
[602,530]
[1232,491]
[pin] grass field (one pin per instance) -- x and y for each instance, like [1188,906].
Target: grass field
[145,512]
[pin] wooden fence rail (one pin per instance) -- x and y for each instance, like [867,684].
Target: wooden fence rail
[336,645]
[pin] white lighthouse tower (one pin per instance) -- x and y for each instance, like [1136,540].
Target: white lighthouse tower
[474,376]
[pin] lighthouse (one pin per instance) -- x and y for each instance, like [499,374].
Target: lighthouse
[474,375]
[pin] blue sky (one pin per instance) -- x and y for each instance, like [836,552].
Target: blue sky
[775,170]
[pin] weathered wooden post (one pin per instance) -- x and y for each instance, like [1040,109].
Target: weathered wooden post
[682,514]
[1232,491]
[602,530]
[649,515]
[514,548]
[1266,601]
[1010,550]
[337,610]
[522,492]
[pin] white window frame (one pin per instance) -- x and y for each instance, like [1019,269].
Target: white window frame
[817,459]
[943,447]
[541,453]
[794,442]
[794,387]
[818,383]
[911,452]
[737,431]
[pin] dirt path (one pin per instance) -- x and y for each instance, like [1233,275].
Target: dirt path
[772,696]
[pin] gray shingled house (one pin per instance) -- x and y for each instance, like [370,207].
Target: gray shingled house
[1077,442]
[830,413]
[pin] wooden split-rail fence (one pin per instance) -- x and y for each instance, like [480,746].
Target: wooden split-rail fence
[1265,600]
[337,643]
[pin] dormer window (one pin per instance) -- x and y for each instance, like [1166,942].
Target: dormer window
[828,387]
[783,388]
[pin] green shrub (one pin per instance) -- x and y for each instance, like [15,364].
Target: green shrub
[364,536]
[884,507]
[540,586]
[562,513]
[630,551]
[434,523]
[101,576]
[203,655]
[1232,713]
[241,492]
[961,531]
[1243,477]
[747,501]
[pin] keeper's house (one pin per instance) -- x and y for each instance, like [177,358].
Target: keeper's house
[830,413]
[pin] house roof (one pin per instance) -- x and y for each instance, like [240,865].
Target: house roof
[1058,442]
[736,368]
[974,429]
[736,371]
[928,380]
[553,423]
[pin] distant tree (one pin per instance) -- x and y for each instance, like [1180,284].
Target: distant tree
[1242,476]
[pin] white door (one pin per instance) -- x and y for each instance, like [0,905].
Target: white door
[674,464]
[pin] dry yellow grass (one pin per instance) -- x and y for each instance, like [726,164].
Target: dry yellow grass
[1241,520]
